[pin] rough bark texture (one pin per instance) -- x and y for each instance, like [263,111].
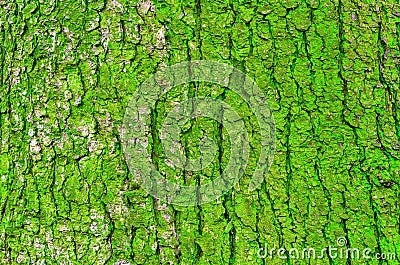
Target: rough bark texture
[329,69]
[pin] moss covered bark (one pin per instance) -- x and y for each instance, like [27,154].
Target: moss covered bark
[329,70]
